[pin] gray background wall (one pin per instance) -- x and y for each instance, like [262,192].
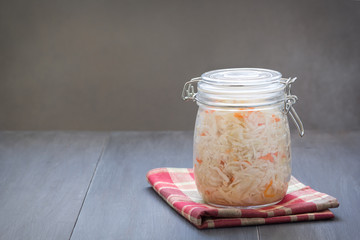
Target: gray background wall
[121,65]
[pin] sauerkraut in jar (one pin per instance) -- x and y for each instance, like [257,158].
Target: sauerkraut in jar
[242,152]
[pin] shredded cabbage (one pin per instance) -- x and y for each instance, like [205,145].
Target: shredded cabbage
[242,157]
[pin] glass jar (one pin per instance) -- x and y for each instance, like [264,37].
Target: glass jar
[242,154]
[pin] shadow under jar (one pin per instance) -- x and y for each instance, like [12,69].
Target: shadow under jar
[242,153]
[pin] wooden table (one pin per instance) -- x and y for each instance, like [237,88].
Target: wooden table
[92,185]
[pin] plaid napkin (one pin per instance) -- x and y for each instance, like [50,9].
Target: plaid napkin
[177,187]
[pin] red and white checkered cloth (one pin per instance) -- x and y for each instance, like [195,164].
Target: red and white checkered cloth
[177,187]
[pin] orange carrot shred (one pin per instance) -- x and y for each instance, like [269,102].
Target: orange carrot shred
[239,116]
[260,124]
[275,118]
[268,157]
[248,162]
[232,179]
[245,113]
[199,161]
[267,188]
[203,134]
[228,150]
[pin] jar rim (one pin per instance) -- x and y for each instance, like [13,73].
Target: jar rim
[241,76]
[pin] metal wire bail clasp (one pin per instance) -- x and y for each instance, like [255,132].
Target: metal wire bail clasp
[289,109]
[188,92]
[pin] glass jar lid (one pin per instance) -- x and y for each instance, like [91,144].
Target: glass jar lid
[241,76]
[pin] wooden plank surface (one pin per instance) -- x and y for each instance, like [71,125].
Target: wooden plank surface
[44,177]
[329,163]
[121,205]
